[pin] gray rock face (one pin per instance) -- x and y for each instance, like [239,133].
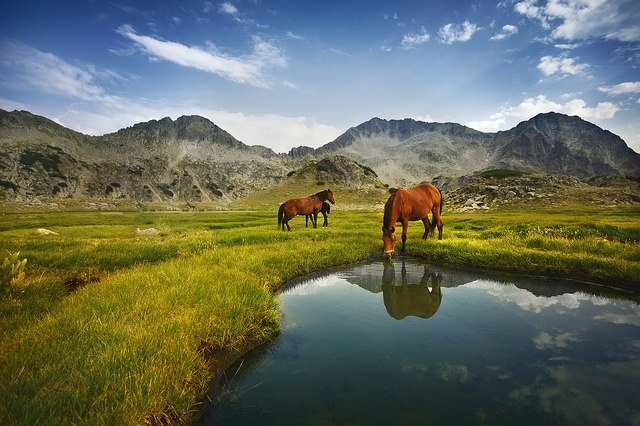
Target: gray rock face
[405,152]
[193,160]
[189,159]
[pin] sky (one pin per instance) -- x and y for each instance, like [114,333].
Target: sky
[286,73]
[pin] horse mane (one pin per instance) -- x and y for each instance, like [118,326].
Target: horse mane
[387,211]
[323,195]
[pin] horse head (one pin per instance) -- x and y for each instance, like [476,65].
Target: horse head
[330,196]
[389,241]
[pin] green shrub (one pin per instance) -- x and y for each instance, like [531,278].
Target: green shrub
[11,272]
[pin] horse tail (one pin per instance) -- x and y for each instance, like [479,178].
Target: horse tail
[434,224]
[280,214]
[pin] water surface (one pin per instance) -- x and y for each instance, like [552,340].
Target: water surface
[405,343]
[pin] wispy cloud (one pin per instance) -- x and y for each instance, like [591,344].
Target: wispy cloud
[507,31]
[550,65]
[585,19]
[411,40]
[545,340]
[26,68]
[245,70]
[622,88]
[451,33]
[567,46]
[229,9]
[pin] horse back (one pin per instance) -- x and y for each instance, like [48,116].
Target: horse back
[303,206]
[425,198]
[429,193]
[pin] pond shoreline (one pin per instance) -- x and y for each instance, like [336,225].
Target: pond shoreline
[221,360]
[314,319]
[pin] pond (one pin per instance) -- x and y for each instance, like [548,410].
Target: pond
[400,342]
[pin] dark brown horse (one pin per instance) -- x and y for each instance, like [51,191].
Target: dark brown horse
[308,205]
[325,210]
[411,204]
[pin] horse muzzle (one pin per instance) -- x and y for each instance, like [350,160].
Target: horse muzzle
[387,253]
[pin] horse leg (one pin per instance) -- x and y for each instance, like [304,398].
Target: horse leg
[437,220]
[405,226]
[315,219]
[326,220]
[427,227]
[285,221]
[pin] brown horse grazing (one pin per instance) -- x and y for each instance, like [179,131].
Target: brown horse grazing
[309,205]
[411,204]
[325,210]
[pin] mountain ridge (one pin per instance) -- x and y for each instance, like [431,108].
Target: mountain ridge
[191,159]
[547,143]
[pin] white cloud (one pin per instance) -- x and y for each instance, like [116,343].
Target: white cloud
[507,31]
[412,40]
[246,70]
[11,105]
[278,132]
[545,340]
[26,68]
[450,33]
[550,65]
[622,88]
[567,46]
[294,36]
[228,8]
[530,107]
[586,19]
[524,299]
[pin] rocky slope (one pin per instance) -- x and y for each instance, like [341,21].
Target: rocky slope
[405,152]
[495,189]
[188,160]
[191,160]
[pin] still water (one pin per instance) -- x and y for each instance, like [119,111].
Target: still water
[405,343]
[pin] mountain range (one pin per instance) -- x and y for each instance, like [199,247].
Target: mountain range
[190,159]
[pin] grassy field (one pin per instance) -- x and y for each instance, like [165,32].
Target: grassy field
[112,326]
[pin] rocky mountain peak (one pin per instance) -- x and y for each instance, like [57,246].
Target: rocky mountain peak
[191,159]
[185,128]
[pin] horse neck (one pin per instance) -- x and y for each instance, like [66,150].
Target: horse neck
[323,196]
[391,211]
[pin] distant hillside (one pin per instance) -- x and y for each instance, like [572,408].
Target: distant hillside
[353,185]
[191,160]
[188,160]
[405,152]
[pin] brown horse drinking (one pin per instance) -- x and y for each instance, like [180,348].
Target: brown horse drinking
[309,205]
[411,204]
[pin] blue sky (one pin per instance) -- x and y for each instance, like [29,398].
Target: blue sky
[286,73]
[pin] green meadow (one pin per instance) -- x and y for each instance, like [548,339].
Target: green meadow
[110,326]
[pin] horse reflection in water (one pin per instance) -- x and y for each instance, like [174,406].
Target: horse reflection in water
[410,299]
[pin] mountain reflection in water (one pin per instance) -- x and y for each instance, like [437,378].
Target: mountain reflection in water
[494,350]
